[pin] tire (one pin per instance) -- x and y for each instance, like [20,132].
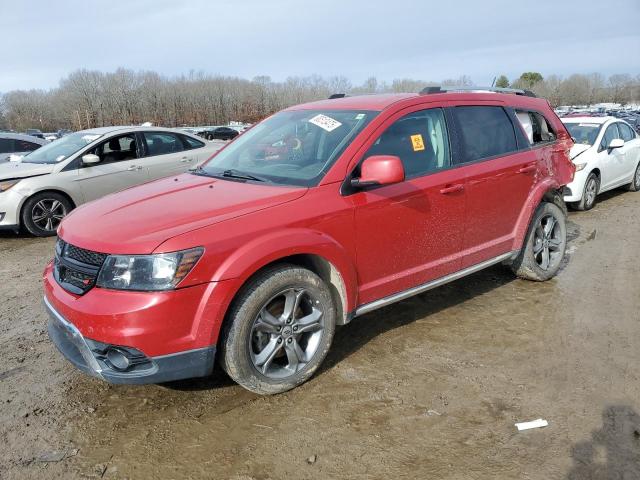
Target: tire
[543,241]
[42,213]
[259,347]
[634,186]
[588,200]
[209,137]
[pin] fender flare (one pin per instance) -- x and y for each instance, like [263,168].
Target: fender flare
[260,252]
[545,189]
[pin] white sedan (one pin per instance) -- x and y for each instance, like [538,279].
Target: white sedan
[606,155]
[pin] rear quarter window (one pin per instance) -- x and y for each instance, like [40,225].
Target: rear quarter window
[191,143]
[484,131]
[536,127]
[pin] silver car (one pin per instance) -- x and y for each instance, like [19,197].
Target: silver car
[38,191]
[13,144]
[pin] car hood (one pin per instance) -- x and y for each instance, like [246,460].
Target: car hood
[23,169]
[577,149]
[138,220]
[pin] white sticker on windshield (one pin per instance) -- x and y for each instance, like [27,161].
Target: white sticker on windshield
[360,116]
[59,158]
[324,122]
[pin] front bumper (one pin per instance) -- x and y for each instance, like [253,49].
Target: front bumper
[93,358]
[10,204]
[576,187]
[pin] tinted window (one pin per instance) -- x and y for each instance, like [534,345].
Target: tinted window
[611,133]
[161,143]
[6,145]
[24,146]
[626,132]
[485,132]
[420,140]
[117,149]
[190,143]
[536,127]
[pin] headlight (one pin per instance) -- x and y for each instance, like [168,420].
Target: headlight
[147,272]
[7,184]
[580,166]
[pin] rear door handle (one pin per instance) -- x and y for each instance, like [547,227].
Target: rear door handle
[458,187]
[133,168]
[528,169]
[186,159]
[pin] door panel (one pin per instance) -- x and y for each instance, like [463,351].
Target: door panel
[411,232]
[165,155]
[408,234]
[119,168]
[497,191]
[101,179]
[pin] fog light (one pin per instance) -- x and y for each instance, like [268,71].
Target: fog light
[118,359]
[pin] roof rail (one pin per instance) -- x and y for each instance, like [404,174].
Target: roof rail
[516,91]
[337,95]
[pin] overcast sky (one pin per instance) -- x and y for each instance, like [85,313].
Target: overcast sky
[44,41]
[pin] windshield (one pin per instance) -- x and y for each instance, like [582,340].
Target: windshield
[290,148]
[60,149]
[583,133]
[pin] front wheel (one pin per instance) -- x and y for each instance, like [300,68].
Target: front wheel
[591,188]
[545,244]
[43,212]
[279,330]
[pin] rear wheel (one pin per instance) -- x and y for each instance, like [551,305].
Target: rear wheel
[43,212]
[279,330]
[545,244]
[634,186]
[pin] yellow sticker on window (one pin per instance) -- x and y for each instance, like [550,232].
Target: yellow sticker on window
[417,142]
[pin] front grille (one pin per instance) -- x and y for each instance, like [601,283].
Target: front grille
[85,256]
[75,268]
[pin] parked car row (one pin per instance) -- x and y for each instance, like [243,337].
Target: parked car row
[15,144]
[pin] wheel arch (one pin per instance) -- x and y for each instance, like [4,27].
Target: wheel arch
[545,191]
[47,190]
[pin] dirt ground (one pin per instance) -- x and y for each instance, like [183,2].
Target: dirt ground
[429,388]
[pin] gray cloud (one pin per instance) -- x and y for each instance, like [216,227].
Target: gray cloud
[389,39]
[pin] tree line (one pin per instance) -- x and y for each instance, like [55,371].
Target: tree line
[87,98]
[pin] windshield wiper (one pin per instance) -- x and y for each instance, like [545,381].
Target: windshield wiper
[200,171]
[232,173]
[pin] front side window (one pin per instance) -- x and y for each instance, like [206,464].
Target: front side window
[421,141]
[161,143]
[117,149]
[583,133]
[295,147]
[485,131]
[61,149]
[611,133]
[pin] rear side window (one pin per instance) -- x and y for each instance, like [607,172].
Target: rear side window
[536,127]
[161,143]
[420,140]
[191,143]
[626,132]
[484,132]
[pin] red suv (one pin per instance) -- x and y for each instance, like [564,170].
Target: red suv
[318,214]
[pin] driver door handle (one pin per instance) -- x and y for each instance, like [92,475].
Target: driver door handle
[458,187]
[528,169]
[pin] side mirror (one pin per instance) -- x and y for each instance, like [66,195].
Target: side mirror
[379,170]
[15,158]
[90,159]
[616,143]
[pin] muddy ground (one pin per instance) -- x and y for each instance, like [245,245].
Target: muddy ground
[428,388]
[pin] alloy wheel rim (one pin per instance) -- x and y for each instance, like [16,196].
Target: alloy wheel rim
[592,188]
[548,243]
[48,213]
[638,177]
[286,333]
